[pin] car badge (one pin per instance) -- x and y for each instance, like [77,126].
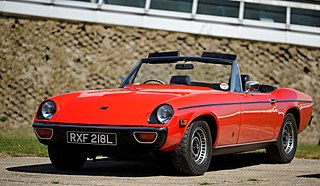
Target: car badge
[104,108]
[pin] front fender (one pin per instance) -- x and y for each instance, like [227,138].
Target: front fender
[176,131]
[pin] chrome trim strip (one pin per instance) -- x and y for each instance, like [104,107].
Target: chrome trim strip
[244,103]
[74,126]
[283,101]
[244,144]
[209,105]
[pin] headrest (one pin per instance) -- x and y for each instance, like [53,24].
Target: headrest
[244,79]
[181,80]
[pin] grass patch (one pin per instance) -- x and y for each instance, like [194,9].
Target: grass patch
[205,183]
[17,143]
[4,118]
[23,142]
[308,151]
[21,146]
[55,182]
[303,151]
[252,179]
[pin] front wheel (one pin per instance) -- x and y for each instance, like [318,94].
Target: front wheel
[64,158]
[193,155]
[284,149]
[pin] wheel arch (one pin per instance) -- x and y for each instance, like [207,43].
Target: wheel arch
[212,123]
[296,114]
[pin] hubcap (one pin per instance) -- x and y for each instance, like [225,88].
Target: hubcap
[199,146]
[288,137]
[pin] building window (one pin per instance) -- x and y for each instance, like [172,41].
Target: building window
[307,1]
[172,5]
[262,12]
[218,8]
[89,1]
[305,17]
[133,3]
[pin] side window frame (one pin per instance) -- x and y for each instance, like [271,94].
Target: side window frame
[235,78]
[131,76]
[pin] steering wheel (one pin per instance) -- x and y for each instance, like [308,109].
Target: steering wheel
[155,80]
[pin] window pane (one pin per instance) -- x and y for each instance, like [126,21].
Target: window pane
[219,8]
[92,1]
[172,5]
[134,3]
[263,12]
[308,1]
[305,17]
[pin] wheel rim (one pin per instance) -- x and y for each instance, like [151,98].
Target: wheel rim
[199,146]
[288,137]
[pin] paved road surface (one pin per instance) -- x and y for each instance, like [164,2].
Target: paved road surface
[243,169]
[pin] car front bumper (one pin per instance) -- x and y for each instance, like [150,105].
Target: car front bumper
[126,140]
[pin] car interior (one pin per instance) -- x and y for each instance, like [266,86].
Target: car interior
[262,88]
[186,80]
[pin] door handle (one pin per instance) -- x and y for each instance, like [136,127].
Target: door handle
[272,101]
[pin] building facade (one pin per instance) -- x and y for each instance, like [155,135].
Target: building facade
[50,47]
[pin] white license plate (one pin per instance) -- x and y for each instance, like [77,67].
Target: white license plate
[95,138]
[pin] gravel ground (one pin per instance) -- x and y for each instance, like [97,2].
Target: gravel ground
[241,169]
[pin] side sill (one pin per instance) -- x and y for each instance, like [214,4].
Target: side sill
[230,149]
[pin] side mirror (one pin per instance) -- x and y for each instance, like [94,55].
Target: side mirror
[252,86]
[122,78]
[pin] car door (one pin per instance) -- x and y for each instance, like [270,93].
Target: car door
[258,117]
[228,113]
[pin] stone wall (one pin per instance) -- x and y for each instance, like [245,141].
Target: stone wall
[42,58]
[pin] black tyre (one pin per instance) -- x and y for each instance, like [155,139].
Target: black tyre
[193,155]
[64,158]
[284,149]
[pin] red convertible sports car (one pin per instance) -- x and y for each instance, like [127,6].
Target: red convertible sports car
[187,107]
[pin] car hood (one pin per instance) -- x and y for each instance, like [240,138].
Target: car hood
[131,105]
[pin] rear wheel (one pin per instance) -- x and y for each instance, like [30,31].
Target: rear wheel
[284,149]
[193,155]
[64,158]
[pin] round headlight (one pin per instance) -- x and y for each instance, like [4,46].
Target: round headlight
[48,109]
[164,113]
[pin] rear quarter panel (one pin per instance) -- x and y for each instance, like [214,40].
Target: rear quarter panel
[290,98]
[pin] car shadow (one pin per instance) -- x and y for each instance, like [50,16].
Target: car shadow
[310,176]
[235,161]
[107,167]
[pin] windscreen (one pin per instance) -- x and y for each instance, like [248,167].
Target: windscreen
[191,73]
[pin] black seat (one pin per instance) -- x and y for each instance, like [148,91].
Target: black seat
[266,88]
[244,79]
[181,80]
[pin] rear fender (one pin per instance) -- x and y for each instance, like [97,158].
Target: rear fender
[282,111]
